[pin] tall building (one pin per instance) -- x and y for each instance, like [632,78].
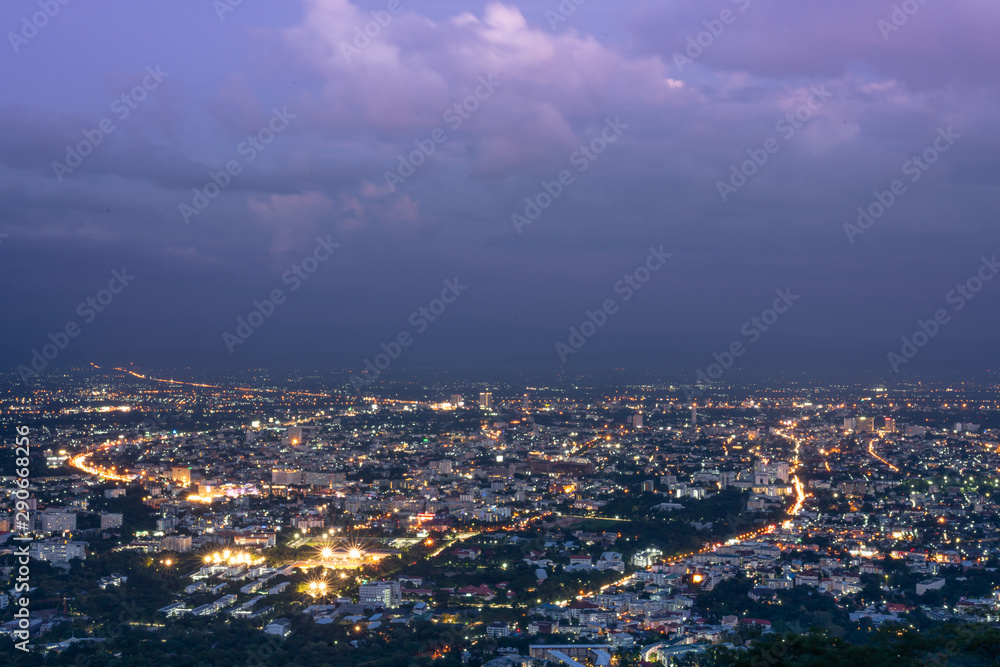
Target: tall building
[637,420]
[317,478]
[179,543]
[485,400]
[112,520]
[694,413]
[890,425]
[57,551]
[181,475]
[294,436]
[57,519]
[381,594]
[286,476]
[165,525]
[456,400]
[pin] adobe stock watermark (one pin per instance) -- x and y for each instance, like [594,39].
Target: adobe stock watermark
[714,28]
[30,25]
[786,127]
[223,7]
[122,107]
[899,17]
[87,310]
[581,158]
[363,35]
[22,534]
[958,298]
[627,287]
[454,116]
[915,168]
[752,330]
[420,320]
[248,149]
[294,277]
[562,12]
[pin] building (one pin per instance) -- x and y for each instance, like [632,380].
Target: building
[281,627]
[57,520]
[114,493]
[317,478]
[111,520]
[167,524]
[294,435]
[286,476]
[381,594]
[57,551]
[486,401]
[181,475]
[256,540]
[179,543]
[498,629]
[637,420]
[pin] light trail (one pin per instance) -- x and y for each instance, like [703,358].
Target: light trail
[80,463]
[215,386]
[871,450]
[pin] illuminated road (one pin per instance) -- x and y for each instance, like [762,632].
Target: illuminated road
[215,386]
[871,450]
[80,463]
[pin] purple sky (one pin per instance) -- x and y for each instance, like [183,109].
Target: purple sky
[885,95]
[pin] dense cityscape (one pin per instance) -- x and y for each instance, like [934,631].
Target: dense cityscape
[262,521]
[500,333]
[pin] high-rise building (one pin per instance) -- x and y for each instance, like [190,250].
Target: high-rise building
[181,475]
[179,543]
[111,520]
[294,436]
[525,403]
[381,594]
[166,524]
[485,400]
[694,413]
[456,400]
[57,551]
[890,425]
[57,519]
[317,478]
[637,420]
[286,476]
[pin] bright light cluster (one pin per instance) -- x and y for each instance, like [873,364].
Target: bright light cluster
[233,558]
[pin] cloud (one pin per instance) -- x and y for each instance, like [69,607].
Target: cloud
[414,70]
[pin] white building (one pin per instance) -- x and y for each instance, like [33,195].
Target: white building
[57,551]
[57,520]
[381,594]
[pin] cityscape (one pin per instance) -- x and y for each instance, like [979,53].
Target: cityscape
[499,525]
[499,333]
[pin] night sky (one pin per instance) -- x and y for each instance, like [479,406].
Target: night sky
[208,149]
